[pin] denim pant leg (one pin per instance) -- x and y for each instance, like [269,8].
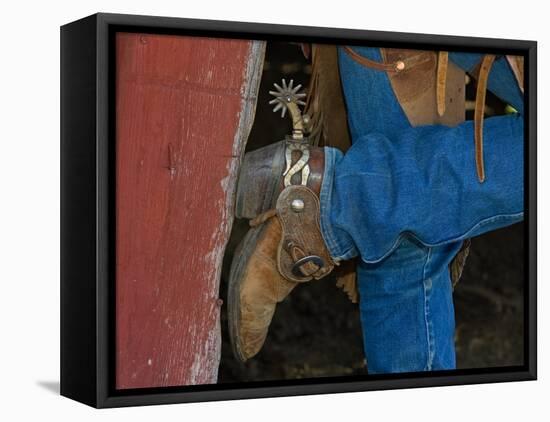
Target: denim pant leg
[421,184]
[405,213]
[403,199]
[407,311]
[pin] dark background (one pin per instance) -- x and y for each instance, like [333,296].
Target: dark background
[316,331]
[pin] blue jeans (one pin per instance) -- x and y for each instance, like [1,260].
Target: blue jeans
[404,198]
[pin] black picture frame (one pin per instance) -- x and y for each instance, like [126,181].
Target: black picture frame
[87,210]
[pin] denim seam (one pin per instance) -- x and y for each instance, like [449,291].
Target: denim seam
[427,316]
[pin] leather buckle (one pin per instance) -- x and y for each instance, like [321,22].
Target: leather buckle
[314,259]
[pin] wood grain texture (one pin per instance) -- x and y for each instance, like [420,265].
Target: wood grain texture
[185,106]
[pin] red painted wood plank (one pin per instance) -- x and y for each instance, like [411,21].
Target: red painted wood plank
[184,107]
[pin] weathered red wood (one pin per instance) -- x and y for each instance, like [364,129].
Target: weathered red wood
[184,107]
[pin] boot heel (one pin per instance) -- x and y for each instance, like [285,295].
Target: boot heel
[259,180]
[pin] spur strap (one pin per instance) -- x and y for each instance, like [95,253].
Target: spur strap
[302,254]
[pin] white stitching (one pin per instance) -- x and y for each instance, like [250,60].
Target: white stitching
[429,327]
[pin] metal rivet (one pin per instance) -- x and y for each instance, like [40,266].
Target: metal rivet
[297,205]
[399,65]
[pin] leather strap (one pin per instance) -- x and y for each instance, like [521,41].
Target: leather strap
[479,110]
[262,218]
[516,63]
[302,254]
[393,67]
[441,87]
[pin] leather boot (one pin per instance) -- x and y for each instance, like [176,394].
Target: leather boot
[278,191]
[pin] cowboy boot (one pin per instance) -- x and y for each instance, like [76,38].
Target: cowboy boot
[278,190]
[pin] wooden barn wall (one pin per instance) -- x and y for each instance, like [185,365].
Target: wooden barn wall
[184,107]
